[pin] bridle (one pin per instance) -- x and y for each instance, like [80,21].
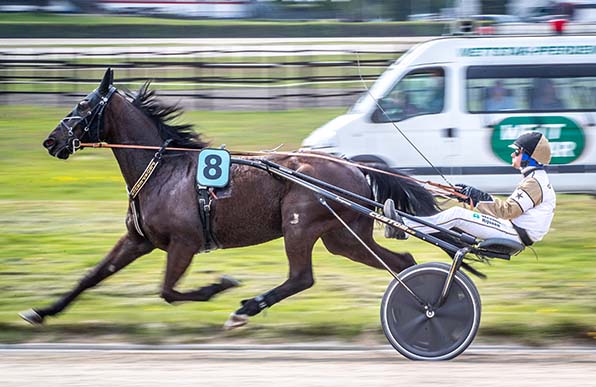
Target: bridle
[92,120]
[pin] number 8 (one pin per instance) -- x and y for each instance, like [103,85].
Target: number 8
[212,168]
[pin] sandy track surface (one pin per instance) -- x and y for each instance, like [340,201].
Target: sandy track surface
[262,366]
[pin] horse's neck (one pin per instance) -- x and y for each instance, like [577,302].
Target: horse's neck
[130,126]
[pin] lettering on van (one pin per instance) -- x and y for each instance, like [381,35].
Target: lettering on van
[566,137]
[528,50]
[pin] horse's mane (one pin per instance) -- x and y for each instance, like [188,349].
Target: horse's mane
[162,115]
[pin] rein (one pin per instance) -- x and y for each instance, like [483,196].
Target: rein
[439,189]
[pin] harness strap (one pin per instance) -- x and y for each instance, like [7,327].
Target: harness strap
[136,215]
[148,170]
[88,120]
[523,235]
[204,200]
[133,193]
[99,112]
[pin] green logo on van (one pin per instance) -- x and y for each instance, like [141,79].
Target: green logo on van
[566,137]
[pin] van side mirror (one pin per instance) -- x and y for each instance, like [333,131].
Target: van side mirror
[379,116]
[388,113]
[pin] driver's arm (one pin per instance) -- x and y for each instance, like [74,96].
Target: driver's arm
[527,195]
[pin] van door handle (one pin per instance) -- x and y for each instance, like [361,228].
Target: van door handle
[450,132]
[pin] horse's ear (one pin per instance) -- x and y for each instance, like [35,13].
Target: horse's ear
[106,82]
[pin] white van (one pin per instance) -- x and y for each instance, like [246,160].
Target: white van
[462,100]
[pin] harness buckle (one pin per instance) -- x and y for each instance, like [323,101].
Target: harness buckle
[261,302]
[158,155]
[206,204]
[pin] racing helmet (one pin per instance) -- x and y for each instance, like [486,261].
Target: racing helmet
[535,145]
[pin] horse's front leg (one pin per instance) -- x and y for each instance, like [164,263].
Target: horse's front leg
[129,248]
[180,256]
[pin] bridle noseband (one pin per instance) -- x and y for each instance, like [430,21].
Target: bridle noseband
[92,120]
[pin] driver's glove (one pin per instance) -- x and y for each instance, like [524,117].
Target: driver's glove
[474,195]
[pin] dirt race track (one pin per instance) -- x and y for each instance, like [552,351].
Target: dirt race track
[281,367]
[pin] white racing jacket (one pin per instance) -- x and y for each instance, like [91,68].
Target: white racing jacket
[530,207]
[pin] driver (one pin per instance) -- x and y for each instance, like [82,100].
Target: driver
[525,216]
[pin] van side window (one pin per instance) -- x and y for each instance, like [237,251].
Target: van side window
[531,88]
[419,92]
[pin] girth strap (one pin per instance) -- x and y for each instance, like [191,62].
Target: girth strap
[204,200]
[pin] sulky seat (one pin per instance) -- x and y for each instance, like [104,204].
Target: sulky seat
[501,246]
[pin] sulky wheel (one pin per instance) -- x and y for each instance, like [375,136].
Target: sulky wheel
[439,333]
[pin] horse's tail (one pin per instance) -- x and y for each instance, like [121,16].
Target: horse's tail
[409,196]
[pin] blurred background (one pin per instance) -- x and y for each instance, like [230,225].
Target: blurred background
[267,73]
[251,74]
[348,10]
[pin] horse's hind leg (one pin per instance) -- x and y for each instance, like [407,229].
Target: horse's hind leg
[128,248]
[299,251]
[179,258]
[342,242]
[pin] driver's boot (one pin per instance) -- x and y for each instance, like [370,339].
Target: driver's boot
[389,212]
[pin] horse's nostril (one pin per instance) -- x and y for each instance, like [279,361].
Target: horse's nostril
[49,142]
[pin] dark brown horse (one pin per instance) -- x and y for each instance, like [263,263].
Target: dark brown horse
[254,208]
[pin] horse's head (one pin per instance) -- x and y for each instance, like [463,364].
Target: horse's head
[83,123]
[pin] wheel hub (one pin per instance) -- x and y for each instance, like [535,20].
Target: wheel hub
[430,313]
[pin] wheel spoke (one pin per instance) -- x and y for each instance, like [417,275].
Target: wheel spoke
[454,308]
[439,336]
[460,319]
[427,286]
[410,328]
[405,301]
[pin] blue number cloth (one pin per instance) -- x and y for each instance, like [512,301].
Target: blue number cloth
[214,168]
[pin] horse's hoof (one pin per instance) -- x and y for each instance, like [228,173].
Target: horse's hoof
[228,282]
[32,317]
[235,321]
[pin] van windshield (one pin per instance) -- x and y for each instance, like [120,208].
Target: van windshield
[532,88]
[421,91]
[377,89]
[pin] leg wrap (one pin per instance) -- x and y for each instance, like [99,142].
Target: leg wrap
[256,305]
